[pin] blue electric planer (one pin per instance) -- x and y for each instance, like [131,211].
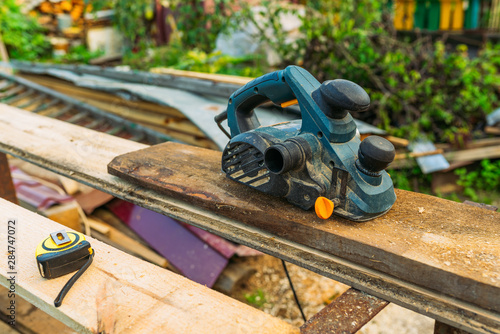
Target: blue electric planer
[320,156]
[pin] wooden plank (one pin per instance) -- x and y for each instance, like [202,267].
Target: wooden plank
[83,154]
[415,241]
[68,88]
[232,79]
[73,106]
[473,154]
[396,141]
[141,297]
[201,141]
[400,156]
[132,110]
[492,130]
[197,86]
[345,315]
[66,214]
[489,152]
[160,118]
[144,112]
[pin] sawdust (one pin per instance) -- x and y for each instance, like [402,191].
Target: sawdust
[315,292]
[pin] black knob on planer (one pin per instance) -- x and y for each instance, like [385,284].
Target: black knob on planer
[337,97]
[375,154]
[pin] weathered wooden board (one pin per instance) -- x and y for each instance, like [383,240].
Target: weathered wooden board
[123,294]
[345,315]
[83,155]
[237,80]
[435,243]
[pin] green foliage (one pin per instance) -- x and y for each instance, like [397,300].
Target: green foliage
[176,56]
[78,54]
[196,27]
[411,179]
[199,27]
[22,34]
[487,178]
[257,299]
[400,179]
[133,19]
[415,86]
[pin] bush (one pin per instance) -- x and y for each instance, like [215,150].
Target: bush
[22,34]
[485,178]
[416,87]
[176,56]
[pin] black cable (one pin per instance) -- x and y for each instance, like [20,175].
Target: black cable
[72,280]
[293,290]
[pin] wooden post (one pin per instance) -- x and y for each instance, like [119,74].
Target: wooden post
[7,189]
[5,57]
[3,50]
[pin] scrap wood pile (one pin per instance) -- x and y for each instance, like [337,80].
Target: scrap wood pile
[446,162]
[187,250]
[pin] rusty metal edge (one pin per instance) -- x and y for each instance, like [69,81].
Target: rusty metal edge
[347,314]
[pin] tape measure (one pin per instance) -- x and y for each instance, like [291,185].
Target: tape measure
[63,253]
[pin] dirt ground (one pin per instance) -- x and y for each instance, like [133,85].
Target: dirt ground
[268,289]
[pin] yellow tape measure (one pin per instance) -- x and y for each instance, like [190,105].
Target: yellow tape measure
[62,253]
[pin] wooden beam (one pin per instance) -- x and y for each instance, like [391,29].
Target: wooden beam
[158,117]
[422,236]
[489,152]
[81,93]
[123,293]
[7,189]
[417,154]
[197,86]
[472,154]
[232,79]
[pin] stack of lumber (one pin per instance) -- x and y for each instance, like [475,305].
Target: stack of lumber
[474,150]
[82,212]
[122,294]
[158,117]
[194,253]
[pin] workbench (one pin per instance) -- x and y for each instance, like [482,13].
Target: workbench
[433,256]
